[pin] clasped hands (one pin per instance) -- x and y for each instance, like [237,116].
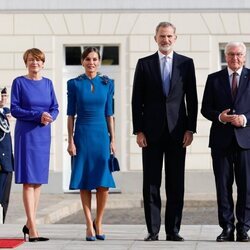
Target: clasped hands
[46,118]
[235,120]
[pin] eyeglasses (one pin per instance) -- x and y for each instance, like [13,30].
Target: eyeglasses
[235,54]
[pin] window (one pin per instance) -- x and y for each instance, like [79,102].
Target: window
[73,55]
[222,58]
[109,54]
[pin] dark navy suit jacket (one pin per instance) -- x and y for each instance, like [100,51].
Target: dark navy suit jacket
[217,98]
[151,109]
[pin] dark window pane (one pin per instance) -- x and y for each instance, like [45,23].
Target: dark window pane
[73,55]
[222,56]
[110,55]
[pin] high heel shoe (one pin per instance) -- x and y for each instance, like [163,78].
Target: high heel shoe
[34,239]
[41,239]
[25,231]
[90,238]
[98,236]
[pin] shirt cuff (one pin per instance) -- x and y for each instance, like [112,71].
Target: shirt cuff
[245,121]
[221,120]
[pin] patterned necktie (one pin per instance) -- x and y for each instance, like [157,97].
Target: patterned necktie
[234,85]
[166,76]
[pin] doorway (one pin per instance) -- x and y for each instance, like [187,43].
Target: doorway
[110,66]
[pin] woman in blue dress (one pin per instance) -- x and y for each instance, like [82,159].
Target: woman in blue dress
[34,105]
[91,138]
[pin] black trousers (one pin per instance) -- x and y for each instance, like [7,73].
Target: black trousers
[229,164]
[153,155]
[5,186]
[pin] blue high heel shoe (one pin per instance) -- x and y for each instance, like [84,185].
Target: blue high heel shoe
[98,236]
[90,238]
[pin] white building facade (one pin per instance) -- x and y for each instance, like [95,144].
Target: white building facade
[62,27]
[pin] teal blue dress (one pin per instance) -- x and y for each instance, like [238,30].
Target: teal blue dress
[90,168]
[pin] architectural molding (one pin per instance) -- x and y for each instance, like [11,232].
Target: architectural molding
[125,5]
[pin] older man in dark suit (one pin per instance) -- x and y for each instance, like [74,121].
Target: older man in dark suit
[6,156]
[226,102]
[164,109]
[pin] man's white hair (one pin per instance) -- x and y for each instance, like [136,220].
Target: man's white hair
[235,44]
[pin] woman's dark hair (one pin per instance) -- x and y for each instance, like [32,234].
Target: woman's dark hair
[89,50]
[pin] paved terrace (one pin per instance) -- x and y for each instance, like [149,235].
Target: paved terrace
[55,207]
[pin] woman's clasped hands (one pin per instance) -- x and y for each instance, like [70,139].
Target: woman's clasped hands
[46,118]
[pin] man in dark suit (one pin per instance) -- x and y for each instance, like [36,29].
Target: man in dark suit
[226,102]
[164,110]
[6,156]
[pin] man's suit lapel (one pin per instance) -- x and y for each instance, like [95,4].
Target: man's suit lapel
[225,83]
[243,84]
[156,69]
[175,71]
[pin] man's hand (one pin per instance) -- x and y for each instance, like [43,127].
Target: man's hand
[235,120]
[225,117]
[141,140]
[238,121]
[187,139]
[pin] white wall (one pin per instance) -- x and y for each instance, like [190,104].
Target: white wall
[199,36]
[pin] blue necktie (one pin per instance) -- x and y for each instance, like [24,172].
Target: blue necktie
[166,76]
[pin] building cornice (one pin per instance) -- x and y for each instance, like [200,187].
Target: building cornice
[124,5]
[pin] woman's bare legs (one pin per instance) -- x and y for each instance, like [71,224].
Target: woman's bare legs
[86,205]
[101,200]
[31,196]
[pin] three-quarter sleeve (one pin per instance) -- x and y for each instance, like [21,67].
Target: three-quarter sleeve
[71,94]
[109,110]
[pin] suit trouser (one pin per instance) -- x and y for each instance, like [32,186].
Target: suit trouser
[227,164]
[153,156]
[5,186]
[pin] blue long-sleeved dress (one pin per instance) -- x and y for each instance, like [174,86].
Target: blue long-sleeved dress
[90,168]
[29,99]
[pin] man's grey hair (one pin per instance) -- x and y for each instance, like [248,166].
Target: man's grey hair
[164,24]
[235,44]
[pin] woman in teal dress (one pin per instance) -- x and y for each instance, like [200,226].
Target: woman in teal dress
[91,138]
